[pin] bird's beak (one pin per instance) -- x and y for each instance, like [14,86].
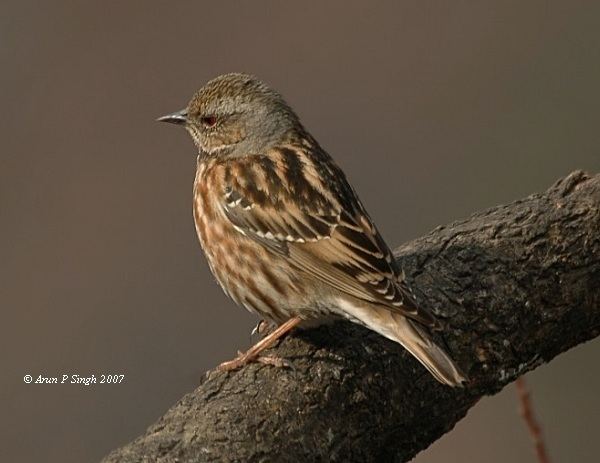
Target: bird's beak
[179,117]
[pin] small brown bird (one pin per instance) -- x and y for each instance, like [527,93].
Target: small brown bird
[283,231]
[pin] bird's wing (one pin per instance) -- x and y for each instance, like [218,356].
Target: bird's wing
[313,218]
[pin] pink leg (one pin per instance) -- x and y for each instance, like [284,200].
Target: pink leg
[252,354]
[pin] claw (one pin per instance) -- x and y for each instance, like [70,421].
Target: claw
[260,327]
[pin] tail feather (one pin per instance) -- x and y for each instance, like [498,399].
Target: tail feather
[411,336]
[434,358]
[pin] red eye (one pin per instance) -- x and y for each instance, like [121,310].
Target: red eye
[209,121]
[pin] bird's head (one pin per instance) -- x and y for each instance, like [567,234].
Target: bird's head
[235,114]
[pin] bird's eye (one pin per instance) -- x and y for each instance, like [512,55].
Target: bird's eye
[209,121]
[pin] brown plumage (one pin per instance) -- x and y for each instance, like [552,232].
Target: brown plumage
[283,231]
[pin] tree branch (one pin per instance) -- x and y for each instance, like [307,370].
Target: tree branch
[516,285]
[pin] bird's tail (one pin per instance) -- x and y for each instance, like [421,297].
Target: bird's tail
[413,338]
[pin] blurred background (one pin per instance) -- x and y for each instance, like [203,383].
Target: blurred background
[434,109]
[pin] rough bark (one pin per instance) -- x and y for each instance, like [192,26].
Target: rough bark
[515,285]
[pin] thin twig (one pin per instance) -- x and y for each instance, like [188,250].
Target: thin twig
[535,431]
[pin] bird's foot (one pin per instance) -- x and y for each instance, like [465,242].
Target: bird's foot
[253,354]
[274,361]
[244,358]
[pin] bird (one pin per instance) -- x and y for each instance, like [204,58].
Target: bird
[283,231]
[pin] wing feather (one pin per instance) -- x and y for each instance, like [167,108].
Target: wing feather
[331,238]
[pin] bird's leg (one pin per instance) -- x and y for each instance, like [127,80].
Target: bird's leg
[252,354]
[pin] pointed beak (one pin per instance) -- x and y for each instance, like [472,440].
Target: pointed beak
[179,117]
